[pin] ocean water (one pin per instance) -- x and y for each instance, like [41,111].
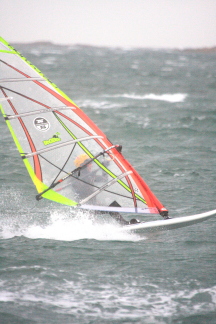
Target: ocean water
[62,266]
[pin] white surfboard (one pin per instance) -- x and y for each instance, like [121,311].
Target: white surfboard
[168,224]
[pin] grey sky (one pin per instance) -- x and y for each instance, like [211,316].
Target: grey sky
[124,23]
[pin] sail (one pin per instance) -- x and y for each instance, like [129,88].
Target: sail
[69,159]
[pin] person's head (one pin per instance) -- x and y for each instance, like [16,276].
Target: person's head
[81,159]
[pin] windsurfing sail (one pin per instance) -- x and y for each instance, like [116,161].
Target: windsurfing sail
[69,159]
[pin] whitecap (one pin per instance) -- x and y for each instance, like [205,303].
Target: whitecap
[169,97]
[176,97]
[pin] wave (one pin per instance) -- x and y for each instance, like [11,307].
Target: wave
[106,104]
[169,97]
[81,299]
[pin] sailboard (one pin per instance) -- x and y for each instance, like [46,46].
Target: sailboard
[168,224]
[69,159]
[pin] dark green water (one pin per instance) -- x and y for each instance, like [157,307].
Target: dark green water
[60,266]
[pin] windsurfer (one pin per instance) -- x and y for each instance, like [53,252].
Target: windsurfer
[86,174]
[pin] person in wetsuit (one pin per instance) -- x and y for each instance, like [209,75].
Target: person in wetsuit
[88,178]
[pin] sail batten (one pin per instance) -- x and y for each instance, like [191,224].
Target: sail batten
[28,155]
[7,98]
[54,136]
[106,185]
[41,111]
[21,80]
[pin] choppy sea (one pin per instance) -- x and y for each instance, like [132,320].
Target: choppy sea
[58,266]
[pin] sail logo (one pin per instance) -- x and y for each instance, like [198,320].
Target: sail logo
[53,139]
[41,124]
